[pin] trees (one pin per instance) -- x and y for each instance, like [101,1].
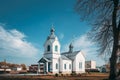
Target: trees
[104,17]
[23,67]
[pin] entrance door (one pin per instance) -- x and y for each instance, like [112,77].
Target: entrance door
[49,67]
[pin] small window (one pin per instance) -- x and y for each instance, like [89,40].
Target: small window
[48,48]
[56,48]
[64,66]
[56,66]
[80,65]
[69,66]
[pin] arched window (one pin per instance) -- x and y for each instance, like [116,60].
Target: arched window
[56,48]
[48,48]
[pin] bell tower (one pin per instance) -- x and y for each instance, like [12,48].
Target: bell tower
[52,45]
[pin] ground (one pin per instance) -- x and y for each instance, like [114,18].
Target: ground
[91,76]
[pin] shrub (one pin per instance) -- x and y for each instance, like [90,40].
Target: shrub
[56,75]
[73,74]
[61,74]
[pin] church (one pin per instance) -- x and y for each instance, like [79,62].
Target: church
[56,62]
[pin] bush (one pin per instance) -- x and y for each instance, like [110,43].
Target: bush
[56,75]
[61,74]
[73,74]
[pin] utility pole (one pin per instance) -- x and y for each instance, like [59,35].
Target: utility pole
[4,65]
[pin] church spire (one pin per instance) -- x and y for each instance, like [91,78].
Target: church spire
[52,34]
[52,30]
[71,48]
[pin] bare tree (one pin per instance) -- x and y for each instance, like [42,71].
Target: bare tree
[104,17]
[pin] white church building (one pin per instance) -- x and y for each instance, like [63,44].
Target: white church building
[56,62]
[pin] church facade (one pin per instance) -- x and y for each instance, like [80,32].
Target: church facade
[56,62]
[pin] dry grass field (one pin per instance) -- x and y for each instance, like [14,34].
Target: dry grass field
[91,76]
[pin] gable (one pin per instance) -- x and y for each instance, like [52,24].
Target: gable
[80,56]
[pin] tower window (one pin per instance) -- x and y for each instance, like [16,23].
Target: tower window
[56,66]
[56,48]
[64,66]
[48,48]
[69,66]
[80,65]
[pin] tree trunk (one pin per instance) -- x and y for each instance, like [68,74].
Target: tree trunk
[113,59]
[114,56]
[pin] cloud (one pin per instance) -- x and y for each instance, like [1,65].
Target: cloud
[80,43]
[13,43]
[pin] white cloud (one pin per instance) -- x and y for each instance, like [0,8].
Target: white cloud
[13,43]
[80,43]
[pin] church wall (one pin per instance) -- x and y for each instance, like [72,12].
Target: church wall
[54,61]
[54,44]
[66,70]
[45,47]
[74,65]
[79,59]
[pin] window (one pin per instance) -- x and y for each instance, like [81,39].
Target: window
[69,66]
[48,48]
[64,66]
[80,65]
[56,65]
[56,48]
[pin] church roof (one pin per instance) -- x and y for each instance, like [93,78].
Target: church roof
[64,57]
[70,55]
[52,37]
[43,60]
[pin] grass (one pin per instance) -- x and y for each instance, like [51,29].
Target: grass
[91,76]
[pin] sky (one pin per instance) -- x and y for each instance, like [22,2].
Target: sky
[25,25]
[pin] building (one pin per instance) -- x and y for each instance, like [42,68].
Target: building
[17,68]
[105,68]
[56,62]
[90,64]
[34,68]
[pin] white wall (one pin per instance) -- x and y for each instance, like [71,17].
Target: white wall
[90,64]
[54,61]
[56,42]
[67,62]
[79,58]
[93,64]
[19,68]
[52,44]
[52,53]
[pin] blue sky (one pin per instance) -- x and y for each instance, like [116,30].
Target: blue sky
[25,25]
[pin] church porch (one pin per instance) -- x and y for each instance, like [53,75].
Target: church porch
[46,66]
